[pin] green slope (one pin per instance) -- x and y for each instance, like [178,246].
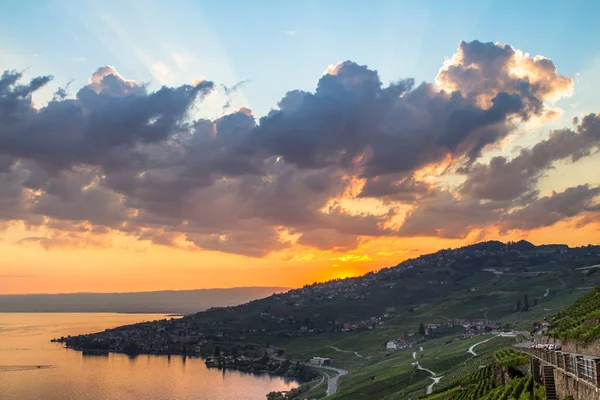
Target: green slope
[581,320]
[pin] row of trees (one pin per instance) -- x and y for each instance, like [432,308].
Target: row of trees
[525,305]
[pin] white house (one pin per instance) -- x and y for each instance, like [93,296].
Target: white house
[392,345]
[320,361]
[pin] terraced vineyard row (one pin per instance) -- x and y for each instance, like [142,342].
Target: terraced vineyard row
[509,358]
[474,391]
[581,320]
[520,389]
[473,371]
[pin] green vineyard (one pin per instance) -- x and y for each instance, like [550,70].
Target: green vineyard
[509,358]
[518,389]
[475,382]
[581,320]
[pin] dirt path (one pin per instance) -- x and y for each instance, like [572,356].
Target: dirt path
[345,351]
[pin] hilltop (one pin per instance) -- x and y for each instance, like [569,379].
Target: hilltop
[508,270]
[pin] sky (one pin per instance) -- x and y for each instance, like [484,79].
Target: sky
[178,145]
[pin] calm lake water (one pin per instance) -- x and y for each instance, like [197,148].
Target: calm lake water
[25,345]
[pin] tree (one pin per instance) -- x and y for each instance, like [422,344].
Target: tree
[518,305]
[422,329]
[525,303]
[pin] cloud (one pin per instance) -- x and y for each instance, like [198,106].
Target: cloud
[352,120]
[548,210]
[480,71]
[122,158]
[290,32]
[504,179]
[448,216]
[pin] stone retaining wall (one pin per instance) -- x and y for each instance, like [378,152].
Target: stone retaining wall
[592,348]
[566,385]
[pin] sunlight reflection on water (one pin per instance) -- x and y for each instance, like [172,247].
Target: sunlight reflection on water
[68,375]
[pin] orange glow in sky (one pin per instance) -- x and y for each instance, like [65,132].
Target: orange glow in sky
[159,185]
[134,266]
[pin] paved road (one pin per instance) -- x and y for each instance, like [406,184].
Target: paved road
[323,377]
[435,381]
[433,376]
[331,380]
[472,348]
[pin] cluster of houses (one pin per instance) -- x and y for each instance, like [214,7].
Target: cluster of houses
[471,329]
[370,323]
[396,344]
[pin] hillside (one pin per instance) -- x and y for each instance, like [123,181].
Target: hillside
[441,314]
[504,376]
[580,321]
[491,276]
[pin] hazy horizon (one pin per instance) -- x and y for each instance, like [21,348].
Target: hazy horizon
[151,291]
[164,301]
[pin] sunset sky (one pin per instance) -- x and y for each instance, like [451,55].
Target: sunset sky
[178,145]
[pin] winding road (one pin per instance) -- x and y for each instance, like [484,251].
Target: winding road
[433,376]
[472,348]
[331,381]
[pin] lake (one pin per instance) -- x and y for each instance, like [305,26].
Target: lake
[68,375]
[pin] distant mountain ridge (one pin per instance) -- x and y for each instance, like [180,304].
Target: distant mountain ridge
[164,301]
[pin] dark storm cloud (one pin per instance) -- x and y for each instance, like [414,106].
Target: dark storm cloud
[445,215]
[504,179]
[108,116]
[121,157]
[547,211]
[352,119]
[397,188]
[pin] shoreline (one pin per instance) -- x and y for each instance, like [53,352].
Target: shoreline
[206,359]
